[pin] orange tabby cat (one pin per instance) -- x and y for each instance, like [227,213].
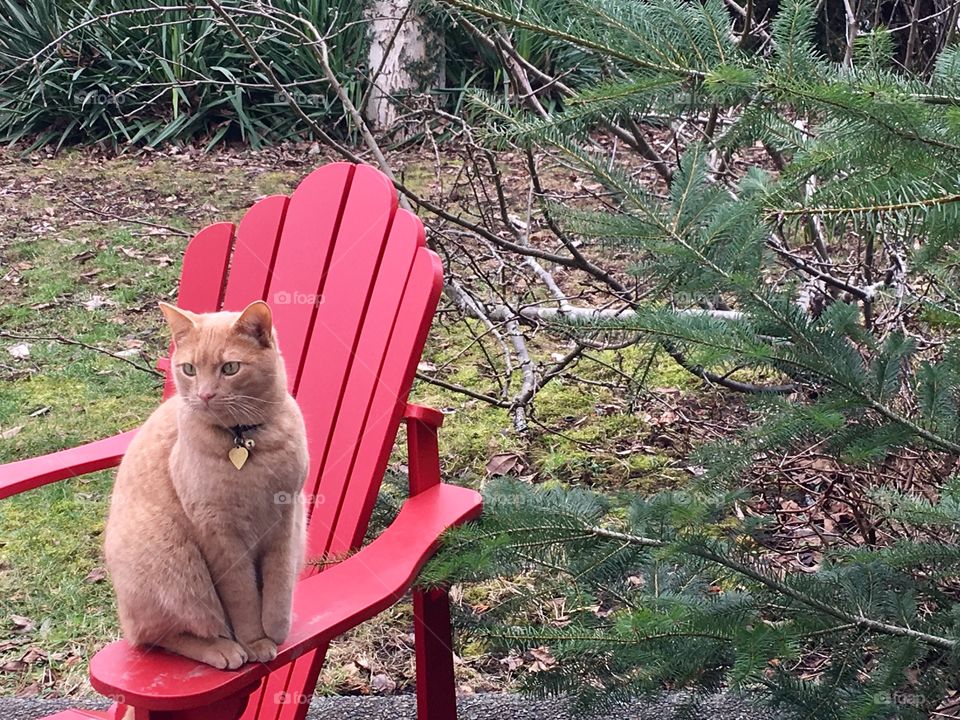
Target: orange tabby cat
[205,537]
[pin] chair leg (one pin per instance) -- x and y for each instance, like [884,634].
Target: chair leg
[436,687]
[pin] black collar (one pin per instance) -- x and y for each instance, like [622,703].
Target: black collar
[239,430]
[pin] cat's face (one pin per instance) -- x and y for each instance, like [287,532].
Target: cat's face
[226,365]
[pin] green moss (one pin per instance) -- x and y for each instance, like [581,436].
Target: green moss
[665,372]
[641,463]
[58,410]
[277,183]
[418,177]
[561,399]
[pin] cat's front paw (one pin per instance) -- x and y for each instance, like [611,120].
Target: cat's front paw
[262,650]
[224,654]
[276,627]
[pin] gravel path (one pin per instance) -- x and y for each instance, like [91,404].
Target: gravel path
[475,707]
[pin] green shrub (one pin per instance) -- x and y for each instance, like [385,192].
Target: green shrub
[121,72]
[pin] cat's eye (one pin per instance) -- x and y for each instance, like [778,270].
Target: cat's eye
[188,369]
[230,368]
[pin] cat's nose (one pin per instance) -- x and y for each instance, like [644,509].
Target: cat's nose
[206,397]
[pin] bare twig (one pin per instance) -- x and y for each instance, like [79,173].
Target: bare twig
[462,390]
[169,229]
[70,341]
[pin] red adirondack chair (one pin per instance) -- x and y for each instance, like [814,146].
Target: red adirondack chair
[353,291]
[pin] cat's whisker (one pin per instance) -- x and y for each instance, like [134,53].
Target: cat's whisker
[236,409]
[241,409]
[234,415]
[257,399]
[219,419]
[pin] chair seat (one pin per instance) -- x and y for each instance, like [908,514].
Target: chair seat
[78,715]
[325,606]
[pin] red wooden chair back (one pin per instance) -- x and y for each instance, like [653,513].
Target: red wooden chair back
[353,290]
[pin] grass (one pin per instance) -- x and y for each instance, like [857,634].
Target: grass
[97,283]
[97,280]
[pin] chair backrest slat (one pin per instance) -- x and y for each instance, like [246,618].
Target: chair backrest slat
[341,316]
[202,277]
[363,384]
[205,263]
[254,252]
[309,228]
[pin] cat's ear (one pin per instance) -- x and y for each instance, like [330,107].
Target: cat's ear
[256,321]
[180,321]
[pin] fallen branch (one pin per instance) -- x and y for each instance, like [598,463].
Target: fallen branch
[103,213]
[723,380]
[70,341]
[462,390]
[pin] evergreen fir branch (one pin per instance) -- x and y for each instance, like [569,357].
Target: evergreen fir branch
[859,210]
[542,562]
[692,177]
[787,590]
[611,103]
[849,102]
[578,41]
[649,45]
[573,531]
[600,636]
[709,334]
[792,32]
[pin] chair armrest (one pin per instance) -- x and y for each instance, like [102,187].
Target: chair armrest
[423,450]
[16,477]
[324,606]
[427,415]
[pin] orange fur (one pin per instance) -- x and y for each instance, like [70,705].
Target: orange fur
[203,556]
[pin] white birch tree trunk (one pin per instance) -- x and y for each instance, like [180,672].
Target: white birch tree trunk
[403,59]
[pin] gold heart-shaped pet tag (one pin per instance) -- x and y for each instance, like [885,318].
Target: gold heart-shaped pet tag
[238,456]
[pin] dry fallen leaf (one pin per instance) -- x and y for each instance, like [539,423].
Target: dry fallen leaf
[543,659]
[382,684]
[504,464]
[10,432]
[512,662]
[97,301]
[8,645]
[98,574]
[21,624]
[33,655]
[21,351]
